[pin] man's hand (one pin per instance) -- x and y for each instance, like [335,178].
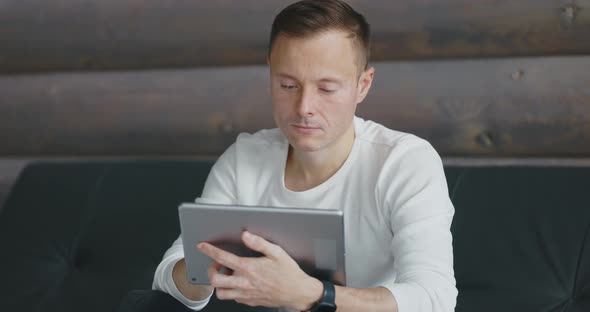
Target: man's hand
[274,280]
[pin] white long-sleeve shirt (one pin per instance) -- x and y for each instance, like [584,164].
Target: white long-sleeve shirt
[394,195]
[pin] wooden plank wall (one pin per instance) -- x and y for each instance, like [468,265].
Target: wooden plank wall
[128,77]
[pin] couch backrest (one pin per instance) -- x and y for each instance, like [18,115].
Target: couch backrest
[521,238]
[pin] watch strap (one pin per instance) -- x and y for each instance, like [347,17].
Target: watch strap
[329,292]
[328,300]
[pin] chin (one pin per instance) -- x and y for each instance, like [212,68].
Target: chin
[305,145]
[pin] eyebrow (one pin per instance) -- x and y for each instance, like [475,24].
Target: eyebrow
[326,79]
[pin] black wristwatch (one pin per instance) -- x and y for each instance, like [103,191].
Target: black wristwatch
[328,301]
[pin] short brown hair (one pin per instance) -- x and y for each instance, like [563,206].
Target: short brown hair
[309,17]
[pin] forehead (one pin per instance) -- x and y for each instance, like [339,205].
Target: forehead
[330,53]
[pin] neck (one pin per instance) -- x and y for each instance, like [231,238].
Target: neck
[305,170]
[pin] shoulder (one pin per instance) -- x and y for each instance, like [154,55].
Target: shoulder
[409,167]
[248,159]
[251,146]
[403,161]
[261,144]
[261,138]
[393,145]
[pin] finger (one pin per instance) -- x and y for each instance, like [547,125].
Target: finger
[261,245]
[247,302]
[220,280]
[220,256]
[218,266]
[227,294]
[213,268]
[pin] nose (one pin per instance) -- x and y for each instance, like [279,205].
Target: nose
[305,105]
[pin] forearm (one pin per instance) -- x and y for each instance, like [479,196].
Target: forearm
[367,299]
[188,290]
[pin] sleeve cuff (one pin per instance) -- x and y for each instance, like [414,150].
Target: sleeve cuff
[169,286]
[174,292]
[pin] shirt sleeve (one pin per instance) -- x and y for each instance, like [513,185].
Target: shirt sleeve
[163,277]
[415,196]
[219,189]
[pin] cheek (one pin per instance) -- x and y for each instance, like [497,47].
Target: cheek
[281,104]
[339,106]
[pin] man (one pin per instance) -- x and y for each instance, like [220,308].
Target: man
[389,184]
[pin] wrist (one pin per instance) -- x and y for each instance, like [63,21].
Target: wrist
[312,293]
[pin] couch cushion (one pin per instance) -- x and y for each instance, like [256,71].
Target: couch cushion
[521,238]
[78,237]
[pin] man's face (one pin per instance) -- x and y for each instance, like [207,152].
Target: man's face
[315,88]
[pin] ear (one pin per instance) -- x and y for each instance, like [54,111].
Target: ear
[364,85]
[268,60]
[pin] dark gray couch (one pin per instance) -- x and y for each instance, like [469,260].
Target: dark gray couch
[87,236]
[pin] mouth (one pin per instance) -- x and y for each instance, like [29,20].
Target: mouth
[305,128]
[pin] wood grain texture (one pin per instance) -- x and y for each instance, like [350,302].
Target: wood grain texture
[136,34]
[494,108]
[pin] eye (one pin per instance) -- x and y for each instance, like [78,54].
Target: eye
[288,87]
[327,90]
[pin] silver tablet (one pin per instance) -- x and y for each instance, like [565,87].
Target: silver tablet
[312,237]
